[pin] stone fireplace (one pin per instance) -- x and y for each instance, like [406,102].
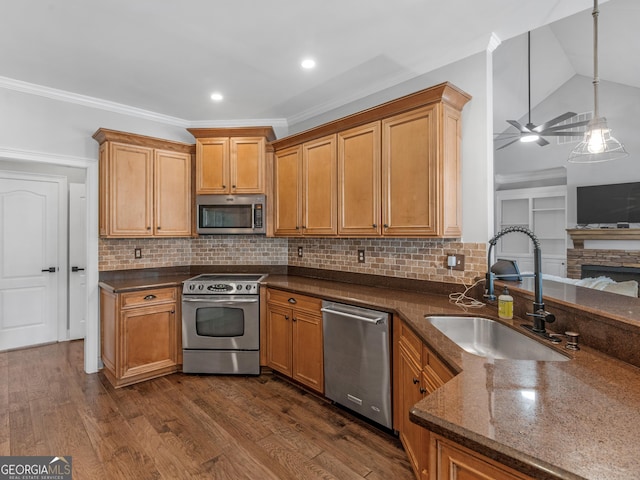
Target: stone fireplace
[618,264]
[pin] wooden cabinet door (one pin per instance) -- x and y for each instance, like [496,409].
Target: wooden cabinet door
[279,332]
[247,164]
[212,165]
[359,181]
[287,192]
[149,343]
[319,204]
[172,173]
[130,191]
[409,385]
[308,359]
[455,462]
[409,173]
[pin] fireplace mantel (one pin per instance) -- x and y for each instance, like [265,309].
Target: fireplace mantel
[579,235]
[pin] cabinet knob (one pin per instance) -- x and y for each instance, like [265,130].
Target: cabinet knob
[148,228]
[158,227]
[415,381]
[173,311]
[286,317]
[375,225]
[224,186]
[292,300]
[149,297]
[423,390]
[294,319]
[233,186]
[297,227]
[385,225]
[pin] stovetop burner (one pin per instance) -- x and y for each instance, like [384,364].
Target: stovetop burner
[223,284]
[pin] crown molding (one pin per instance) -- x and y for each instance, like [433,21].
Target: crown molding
[93,102]
[8,153]
[87,101]
[536,175]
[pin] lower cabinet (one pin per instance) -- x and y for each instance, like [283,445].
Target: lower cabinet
[417,373]
[452,461]
[294,337]
[140,334]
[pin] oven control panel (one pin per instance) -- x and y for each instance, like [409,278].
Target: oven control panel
[215,286]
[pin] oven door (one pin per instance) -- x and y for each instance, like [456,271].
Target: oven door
[221,322]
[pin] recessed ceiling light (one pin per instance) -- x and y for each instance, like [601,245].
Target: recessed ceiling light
[308,63]
[216,97]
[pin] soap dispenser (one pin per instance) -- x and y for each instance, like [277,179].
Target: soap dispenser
[505,305]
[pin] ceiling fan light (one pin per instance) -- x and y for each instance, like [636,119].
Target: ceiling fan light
[528,138]
[597,145]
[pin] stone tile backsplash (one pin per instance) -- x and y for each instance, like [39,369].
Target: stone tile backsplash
[118,254]
[420,259]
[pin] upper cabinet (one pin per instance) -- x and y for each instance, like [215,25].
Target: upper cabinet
[231,160]
[145,186]
[305,189]
[397,171]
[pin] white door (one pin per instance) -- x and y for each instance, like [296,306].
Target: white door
[77,260]
[30,259]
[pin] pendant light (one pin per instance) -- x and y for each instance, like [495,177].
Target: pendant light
[598,145]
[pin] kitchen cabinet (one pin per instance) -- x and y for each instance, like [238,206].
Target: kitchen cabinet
[145,186]
[140,334]
[417,372]
[398,170]
[231,161]
[359,184]
[294,337]
[455,462]
[306,189]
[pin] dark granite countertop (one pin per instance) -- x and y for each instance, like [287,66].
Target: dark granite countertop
[571,420]
[578,419]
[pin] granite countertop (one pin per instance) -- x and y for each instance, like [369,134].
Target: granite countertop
[578,419]
[570,420]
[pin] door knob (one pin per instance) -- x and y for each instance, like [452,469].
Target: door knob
[77,269]
[50,270]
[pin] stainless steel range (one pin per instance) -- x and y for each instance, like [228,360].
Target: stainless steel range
[221,324]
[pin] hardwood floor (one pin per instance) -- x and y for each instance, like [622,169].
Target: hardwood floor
[182,426]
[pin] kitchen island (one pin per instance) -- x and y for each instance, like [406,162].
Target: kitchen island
[578,419]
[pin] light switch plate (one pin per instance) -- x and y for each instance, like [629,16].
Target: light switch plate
[137,253]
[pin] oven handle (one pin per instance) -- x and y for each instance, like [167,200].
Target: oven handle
[207,300]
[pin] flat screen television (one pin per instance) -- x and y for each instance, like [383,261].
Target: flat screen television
[619,202]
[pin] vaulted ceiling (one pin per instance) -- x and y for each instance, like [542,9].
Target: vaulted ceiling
[167,57]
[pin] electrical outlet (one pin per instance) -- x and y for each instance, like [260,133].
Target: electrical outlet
[300,251]
[137,253]
[360,256]
[454,261]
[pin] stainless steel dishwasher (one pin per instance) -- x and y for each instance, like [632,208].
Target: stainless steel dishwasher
[357,366]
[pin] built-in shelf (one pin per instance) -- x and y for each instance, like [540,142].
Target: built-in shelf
[579,235]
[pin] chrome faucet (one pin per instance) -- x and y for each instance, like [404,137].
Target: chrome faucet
[540,316]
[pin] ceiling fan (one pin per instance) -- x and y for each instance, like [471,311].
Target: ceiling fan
[535,133]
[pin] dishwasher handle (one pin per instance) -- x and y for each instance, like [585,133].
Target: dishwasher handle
[375,320]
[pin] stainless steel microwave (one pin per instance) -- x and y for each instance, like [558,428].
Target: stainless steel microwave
[231,214]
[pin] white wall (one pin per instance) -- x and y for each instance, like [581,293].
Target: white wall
[473,75]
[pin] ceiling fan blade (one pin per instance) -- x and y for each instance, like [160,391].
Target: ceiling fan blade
[522,128]
[563,134]
[554,121]
[542,142]
[564,127]
[507,144]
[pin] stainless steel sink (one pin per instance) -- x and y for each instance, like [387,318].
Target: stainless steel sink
[488,338]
